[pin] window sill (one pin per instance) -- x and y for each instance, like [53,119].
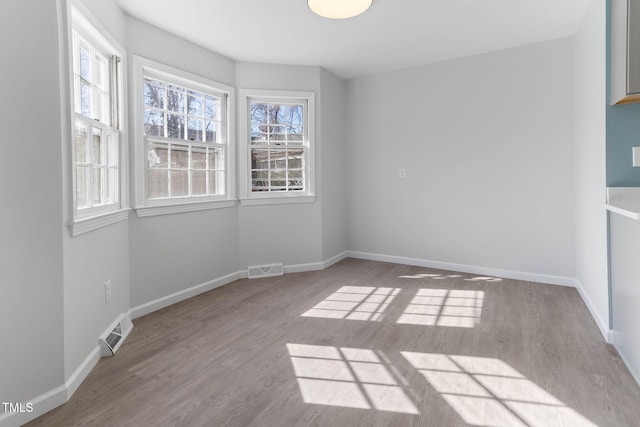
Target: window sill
[86,225]
[146,211]
[277,200]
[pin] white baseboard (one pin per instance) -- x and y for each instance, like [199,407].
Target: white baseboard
[464,268]
[301,268]
[315,266]
[335,259]
[53,398]
[171,299]
[608,334]
[634,374]
[82,372]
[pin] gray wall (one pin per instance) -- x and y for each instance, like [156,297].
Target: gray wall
[93,258]
[486,142]
[333,153]
[289,233]
[31,222]
[590,169]
[170,253]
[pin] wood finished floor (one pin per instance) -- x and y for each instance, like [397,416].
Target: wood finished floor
[318,349]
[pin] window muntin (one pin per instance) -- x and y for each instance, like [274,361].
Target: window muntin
[278,145]
[96,147]
[185,130]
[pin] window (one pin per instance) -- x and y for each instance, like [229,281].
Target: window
[185,141]
[278,146]
[96,117]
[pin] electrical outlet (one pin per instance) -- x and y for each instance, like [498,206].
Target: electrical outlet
[636,157]
[107,291]
[402,173]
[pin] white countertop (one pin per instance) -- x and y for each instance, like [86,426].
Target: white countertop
[624,201]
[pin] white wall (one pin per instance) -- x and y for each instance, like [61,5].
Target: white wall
[487,145]
[171,253]
[589,154]
[333,150]
[31,222]
[290,233]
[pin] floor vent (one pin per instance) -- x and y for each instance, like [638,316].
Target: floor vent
[258,271]
[113,338]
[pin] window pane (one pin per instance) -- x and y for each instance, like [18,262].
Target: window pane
[175,126]
[179,183]
[295,159]
[278,175]
[158,156]
[112,186]
[112,150]
[102,71]
[153,93]
[85,99]
[216,158]
[212,106]
[216,182]
[295,133]
[153,123]
[278,159]
[82,186]
[258,113]
[195,129]
[198,158]
[97,146]
[278,133]
[275,116]
[175,98]
[195,103]
[84,63]
[101,108]
[158,183]
[259,133]
[259,159]
[296,181]
[179,156]
[199,183]
[212,131]
[81,142]
[96,190]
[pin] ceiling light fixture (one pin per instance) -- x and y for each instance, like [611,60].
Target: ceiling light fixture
[339,9]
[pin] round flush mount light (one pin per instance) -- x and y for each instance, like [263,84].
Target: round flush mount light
[339,9]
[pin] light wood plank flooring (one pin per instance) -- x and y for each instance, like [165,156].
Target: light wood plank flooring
[362,344]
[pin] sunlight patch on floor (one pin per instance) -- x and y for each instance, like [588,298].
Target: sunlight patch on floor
[355,303]
[349,378]
[489,392]
[444,307]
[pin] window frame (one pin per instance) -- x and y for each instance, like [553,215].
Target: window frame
[81,21]
[249,197]
[144,206]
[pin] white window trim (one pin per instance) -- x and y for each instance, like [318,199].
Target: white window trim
[247,197]
[76,14]
[145,207]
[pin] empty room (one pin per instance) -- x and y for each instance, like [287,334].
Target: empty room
[320,213]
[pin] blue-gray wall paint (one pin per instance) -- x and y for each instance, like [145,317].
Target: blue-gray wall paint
[623,132]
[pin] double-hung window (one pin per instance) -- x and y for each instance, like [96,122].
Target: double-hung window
[96,120]
[277,146]
[184,141]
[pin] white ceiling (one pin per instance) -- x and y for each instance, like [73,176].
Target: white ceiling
[392,34]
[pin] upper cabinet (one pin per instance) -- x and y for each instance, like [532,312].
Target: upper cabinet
[625,51]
